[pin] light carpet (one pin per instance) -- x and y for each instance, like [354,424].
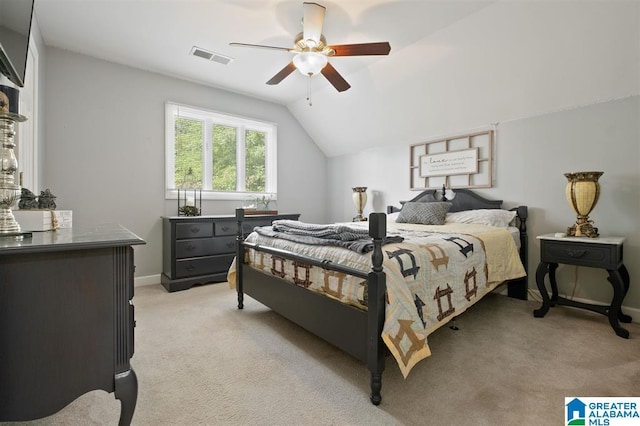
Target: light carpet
[201,361]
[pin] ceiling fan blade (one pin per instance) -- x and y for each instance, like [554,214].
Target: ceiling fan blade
[381,48]
[312,21]
[282,74]
[261,46]
[335,78]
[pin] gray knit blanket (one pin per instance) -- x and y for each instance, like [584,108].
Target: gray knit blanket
[352,238]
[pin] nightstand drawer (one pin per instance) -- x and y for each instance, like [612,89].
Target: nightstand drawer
[607,256]
[194,230]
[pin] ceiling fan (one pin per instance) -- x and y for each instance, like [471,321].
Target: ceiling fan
[312,51]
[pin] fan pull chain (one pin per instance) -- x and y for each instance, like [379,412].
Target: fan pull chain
[309,90]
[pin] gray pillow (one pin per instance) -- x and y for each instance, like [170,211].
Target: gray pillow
[424,213]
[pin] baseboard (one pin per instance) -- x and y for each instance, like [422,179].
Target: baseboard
[146,280]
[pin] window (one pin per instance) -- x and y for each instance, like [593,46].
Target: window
[229,157]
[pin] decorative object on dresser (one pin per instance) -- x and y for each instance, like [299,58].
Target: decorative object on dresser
[43,220]
[39,213]
[9,189]
[28,200]
[47,200]
[603,253]
[359,197]
[189,196]
[264,202]
[583,191]
[66,320]
[199,250]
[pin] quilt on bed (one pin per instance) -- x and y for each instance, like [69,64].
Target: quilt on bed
[433,275]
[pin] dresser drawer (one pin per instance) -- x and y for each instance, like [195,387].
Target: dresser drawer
[227,227]
[247,227]
[194,230]
[204,247]
[230,228]
[608,256]
[194,248]
[203,265]
[224,244]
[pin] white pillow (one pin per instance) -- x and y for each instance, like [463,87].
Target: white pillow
[491,217]
[391,217]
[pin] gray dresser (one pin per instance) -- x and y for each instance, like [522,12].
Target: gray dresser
[200,249]
[66,320]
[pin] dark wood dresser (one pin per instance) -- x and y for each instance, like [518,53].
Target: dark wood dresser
[200,249]
[66,320]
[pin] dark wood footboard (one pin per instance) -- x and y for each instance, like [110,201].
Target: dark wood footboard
[354,331]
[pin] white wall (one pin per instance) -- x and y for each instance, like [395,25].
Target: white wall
[531,158]
[560,82]
[104,148]
[509,60]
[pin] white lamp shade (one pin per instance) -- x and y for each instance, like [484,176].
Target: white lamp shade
[309,63]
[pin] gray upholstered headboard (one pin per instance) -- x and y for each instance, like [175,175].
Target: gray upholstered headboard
[464,199]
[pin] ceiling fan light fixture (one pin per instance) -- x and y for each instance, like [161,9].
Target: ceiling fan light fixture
[310,63]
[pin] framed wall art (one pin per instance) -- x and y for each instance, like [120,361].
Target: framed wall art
[462,161]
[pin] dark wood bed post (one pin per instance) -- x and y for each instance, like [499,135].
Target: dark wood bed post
[376,289]
[523,213]
[239,257]
[519,288]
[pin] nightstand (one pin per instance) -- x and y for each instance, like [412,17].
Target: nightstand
[603,253]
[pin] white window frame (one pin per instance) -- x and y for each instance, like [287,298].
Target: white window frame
[27,131]
[242,124]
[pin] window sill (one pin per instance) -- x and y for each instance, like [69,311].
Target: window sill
[172,194]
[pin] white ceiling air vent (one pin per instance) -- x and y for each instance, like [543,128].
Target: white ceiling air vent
[210,56]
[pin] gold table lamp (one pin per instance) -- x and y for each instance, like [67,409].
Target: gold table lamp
[583,191]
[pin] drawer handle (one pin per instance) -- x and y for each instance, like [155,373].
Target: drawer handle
[576,253]
[195,229]
[190,268]
[225,228]
[191,247]
[231,244]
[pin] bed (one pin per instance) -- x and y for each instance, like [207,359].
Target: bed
[387,295]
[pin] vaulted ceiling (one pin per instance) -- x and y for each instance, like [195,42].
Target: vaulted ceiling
[158,35]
